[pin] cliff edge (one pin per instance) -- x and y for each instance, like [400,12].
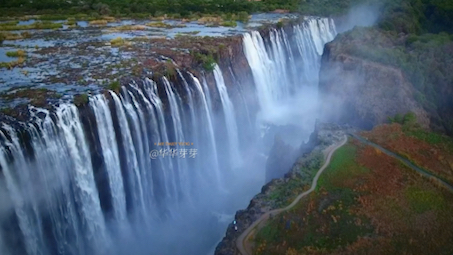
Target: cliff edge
[361,92]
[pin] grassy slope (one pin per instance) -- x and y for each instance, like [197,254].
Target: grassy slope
[431,151]
[366,203]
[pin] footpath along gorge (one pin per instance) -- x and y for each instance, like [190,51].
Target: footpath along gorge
[76,176]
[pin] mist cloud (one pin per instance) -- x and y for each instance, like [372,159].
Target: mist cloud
[364,15]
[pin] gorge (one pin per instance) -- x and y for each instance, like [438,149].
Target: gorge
[103,177]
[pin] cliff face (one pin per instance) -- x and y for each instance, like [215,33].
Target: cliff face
[362,92]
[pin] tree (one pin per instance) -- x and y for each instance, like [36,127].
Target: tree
[409,119]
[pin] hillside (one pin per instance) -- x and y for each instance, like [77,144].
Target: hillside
[388,73]
[370,203]
[399,64]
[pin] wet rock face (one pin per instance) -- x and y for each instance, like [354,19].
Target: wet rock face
[258,206]
[280,160]
[363,93]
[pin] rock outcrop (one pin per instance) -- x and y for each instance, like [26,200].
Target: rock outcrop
[363,93]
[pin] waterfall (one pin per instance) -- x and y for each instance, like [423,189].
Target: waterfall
[86,194]
[26,216]
[230,118]
[110,154]
[207,114]
[180,166]
[128,171]
[130,154]
[273,67]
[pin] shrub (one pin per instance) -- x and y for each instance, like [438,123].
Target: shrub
[207,61]
[53,17]
[81,100]
[229,24]
[409,119]
[25,35]
[98,22]
[115,86]
[158,24]
[102,9]
[170,70]
[243,17]
[128,28]
[15,54]
[71,22]
[117,41]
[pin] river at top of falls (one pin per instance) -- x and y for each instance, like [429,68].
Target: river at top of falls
[103,179]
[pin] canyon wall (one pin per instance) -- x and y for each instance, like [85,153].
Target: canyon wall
[363,93]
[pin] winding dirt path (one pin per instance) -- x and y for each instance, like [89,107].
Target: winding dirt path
[243,244]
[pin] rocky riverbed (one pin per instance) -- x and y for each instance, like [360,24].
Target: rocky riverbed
[85,58]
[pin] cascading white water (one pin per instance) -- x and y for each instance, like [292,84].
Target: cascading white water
[19,194]
[130,154]
[181,166]
[169,176]
[86,194]
[273,68]
[230,118]
[110,154]
[205,100]
[56,190]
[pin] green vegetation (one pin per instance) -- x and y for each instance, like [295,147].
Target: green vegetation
[116,42]
[408,121]
[432,138]
[14,36]
[332,213]
[285,193]
[99,22]
[415,36]
[206,60]
[170,70]
[127,28]
[52,17]
[158,24]
[229,24]
[176,9]
[36,96]
[417,16]
[15,54]
[37,25]
[422,200]
[366,203]
[115,86]
[342,166]
[81,100]
[19,62]
[71,22]
[424,60]
[243,17]
[7,111]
